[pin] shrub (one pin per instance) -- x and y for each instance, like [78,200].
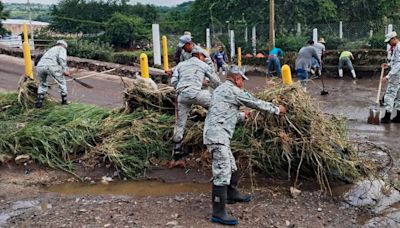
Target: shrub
[96,50]
[376,41]
[332,43]
[130,57]
[291,43]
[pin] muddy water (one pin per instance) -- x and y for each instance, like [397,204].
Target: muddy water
[134,188]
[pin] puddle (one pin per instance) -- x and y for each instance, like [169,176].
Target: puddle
[133,188]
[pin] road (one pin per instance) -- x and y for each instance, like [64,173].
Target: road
[107,91]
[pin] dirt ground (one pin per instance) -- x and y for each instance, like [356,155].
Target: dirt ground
[32,200]
[26,200]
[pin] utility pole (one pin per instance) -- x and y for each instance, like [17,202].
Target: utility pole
[271,24]
[30,21]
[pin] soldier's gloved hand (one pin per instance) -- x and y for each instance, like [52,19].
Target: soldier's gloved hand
[247,115]
[282,110]
[385,79]
[67,73]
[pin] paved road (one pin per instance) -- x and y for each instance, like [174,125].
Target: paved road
[107,91]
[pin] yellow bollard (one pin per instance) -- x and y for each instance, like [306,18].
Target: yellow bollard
[27,54]
[165,53]
[286,75]
[239,56]
[144,65]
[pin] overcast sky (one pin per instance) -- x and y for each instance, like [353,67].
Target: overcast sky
[155,2]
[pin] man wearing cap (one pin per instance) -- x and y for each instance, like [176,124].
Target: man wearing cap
[345,58]
[303,61]
[53,63]
[188,79]
[392,95]
[177,56]
[219,126]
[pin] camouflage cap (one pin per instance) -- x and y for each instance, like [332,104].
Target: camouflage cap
[184,39]
[234,69]
[62,42]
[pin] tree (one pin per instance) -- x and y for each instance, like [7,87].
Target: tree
[122,30]
[3,16]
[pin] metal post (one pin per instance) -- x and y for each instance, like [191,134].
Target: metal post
[239,56]
[340,30]
[144,66]
[232,44]
[165,53]
[315,35]
[271,24]
[245,35]
[254,40]
[389,28]
[27,54]
[30,25]
[298,29]
[156,44]
[208,39]
[371,33]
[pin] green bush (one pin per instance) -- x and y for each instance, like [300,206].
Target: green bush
[96,50]
[333,43]
[290,43]
[130,57]
[376,41]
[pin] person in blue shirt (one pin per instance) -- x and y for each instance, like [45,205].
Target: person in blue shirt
[274,61]
[220,58]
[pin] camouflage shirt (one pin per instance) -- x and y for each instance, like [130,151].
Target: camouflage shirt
[224,113]
[55,56]
[395,62]
[189,75]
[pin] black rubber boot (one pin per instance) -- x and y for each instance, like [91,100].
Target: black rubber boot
[219,214]
[397,118]
[64,100]
[39,101]
[386,118]
[179,151]
[234,195]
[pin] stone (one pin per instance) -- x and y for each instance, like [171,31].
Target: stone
[20,159]
[294,192]
[172,223]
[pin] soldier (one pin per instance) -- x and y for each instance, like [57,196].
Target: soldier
[187,45]
[188,79]
[392,95]
[219,126]
[53,63]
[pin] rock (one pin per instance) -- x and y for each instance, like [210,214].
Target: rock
[107,225]
[5,158]
[179,199]
[319,209]
[20,159]
[294,192]
[105,180]
[172,223]
[82,210]
[287,223]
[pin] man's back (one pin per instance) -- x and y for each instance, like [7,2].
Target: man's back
[304,57]
[320,49]
[52,56]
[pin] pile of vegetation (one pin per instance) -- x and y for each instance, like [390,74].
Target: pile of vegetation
[304,143]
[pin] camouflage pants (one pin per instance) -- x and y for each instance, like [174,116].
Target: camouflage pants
[203,99]
[56,73]
[392,95]
[223,164]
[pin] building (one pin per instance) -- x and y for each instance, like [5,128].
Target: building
[15,26]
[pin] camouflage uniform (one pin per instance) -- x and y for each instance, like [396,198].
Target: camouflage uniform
[188,80]
[220,124]
[392,95]
[186,56]
[53,63]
